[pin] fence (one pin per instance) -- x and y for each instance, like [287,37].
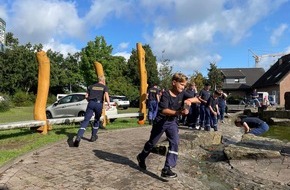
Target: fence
[34,123]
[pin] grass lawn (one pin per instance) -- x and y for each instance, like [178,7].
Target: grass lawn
[16,142]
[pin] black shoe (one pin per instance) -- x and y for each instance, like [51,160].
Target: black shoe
[141,162]
[168,173]
[94,138]
[77,142]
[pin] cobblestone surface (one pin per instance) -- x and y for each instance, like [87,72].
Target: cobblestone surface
[110,163]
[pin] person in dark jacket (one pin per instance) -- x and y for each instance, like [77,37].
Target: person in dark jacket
[193,115]
[153,96]
[95,96]
[252,125]
[204,95]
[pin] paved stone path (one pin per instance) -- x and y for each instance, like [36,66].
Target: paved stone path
[110,163]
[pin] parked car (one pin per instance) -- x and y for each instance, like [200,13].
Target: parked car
[121,101]
[74,105]
[59,96]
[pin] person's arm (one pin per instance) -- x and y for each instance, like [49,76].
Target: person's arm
[158,97]
[107,98]
[193,100]
[171,112]
[217,110]
[246,127]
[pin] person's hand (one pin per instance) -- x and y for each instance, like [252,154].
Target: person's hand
[184,112]
[108,107]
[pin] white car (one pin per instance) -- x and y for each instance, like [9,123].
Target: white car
[121,101]
[73,105]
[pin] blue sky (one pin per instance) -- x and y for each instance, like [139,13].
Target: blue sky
[192,33]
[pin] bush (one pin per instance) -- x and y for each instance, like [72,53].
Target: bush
[5,103]
[51,99]
[21,99]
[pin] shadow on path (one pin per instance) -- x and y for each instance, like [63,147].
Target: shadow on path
[124,161]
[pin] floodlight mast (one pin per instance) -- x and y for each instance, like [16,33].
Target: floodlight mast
[259,57]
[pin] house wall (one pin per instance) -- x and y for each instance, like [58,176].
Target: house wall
[284,87]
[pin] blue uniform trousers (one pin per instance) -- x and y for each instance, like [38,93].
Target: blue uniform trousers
[93,107]
[192,117]
[202,115]
[152,109]
[211,121]
[263,127]
[222,110]
[170,127]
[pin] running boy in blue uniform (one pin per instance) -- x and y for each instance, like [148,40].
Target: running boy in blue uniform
[170,106]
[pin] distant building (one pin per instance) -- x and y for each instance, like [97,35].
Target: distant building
[276,81]
[239,81]
[2,34]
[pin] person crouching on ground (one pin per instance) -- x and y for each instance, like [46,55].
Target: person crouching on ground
[173,103]
[212,111]
[95,96]
[252,125]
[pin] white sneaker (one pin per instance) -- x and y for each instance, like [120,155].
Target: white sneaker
[190,128]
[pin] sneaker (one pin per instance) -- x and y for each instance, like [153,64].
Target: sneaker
[94,138]
[190,128]
[77,142]
[168,173]
[141,162]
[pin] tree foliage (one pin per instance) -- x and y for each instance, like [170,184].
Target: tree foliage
[215,76]
[198,79]
[165,73]
[151,67]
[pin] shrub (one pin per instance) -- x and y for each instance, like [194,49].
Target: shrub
[21,98]
[5,103]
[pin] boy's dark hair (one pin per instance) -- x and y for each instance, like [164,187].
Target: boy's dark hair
[218,92]
[238,121]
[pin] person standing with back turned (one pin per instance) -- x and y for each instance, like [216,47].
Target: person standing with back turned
[153,96]
[95,96]
[172,104]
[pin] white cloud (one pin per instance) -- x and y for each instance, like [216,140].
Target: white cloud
[39,21]
[124,54]
[187,29]
[59,47]
[278,33]
[123,45]
[102,10]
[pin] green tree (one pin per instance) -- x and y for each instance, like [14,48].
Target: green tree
[198,79]
[151,67]
[165,72]
[115,68]
[215,76]
[18,67]
[97,50]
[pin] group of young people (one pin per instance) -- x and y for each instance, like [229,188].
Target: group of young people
[164,111]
